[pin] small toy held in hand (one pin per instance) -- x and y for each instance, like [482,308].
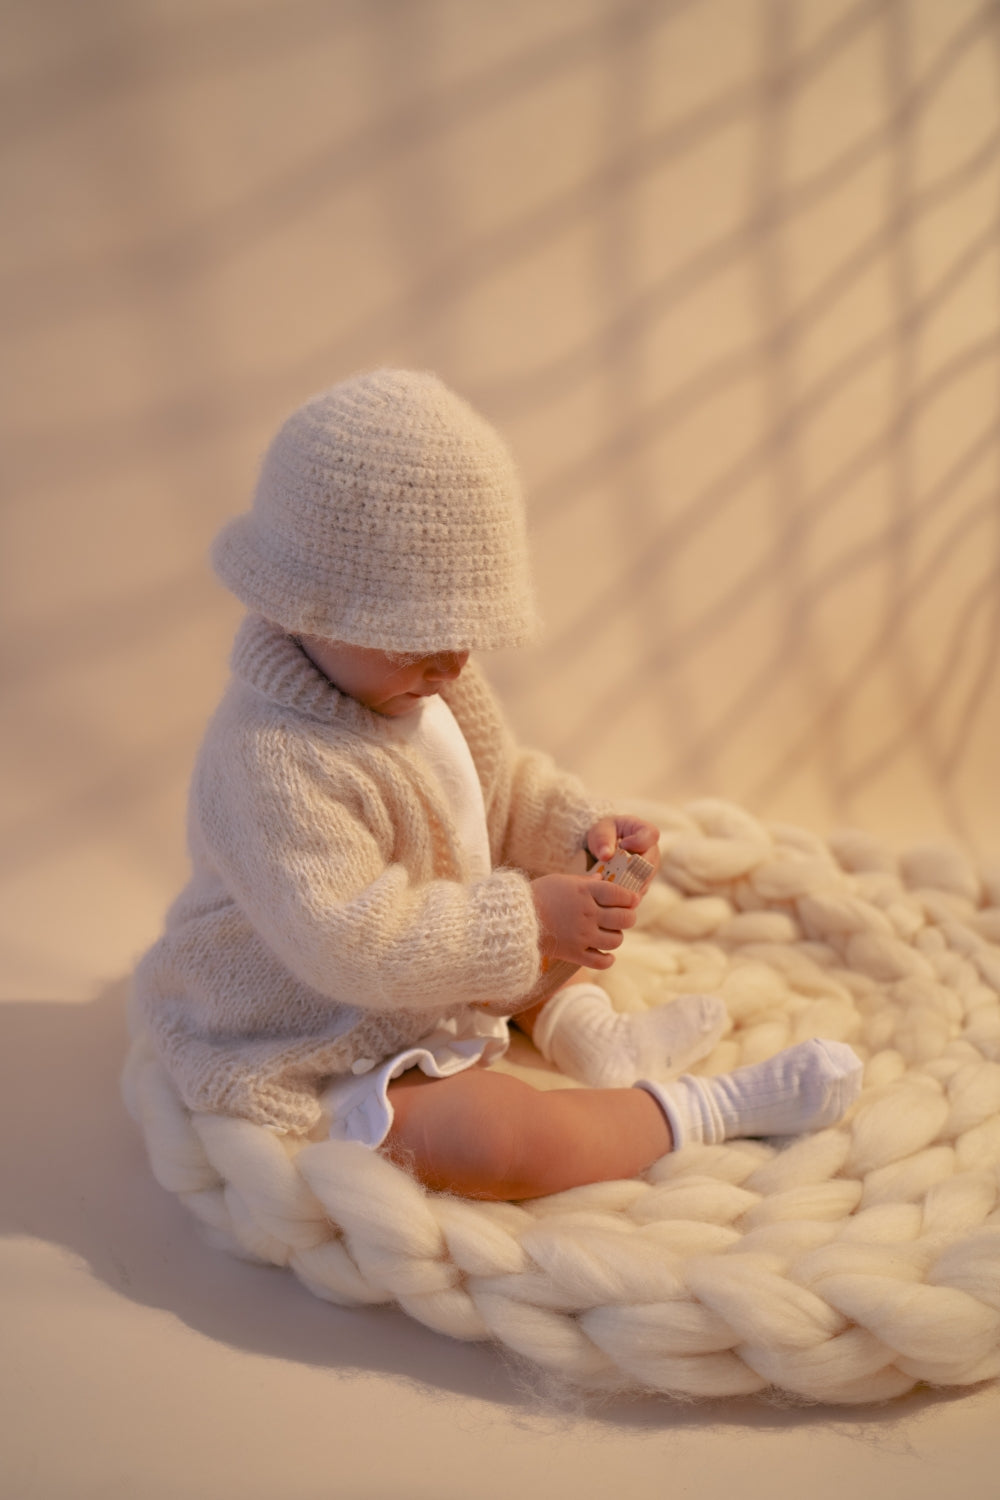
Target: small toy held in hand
[625,869]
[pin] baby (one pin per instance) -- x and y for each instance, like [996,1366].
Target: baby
[382,879]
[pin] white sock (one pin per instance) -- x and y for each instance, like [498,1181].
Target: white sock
[803,1088]
[580,1031]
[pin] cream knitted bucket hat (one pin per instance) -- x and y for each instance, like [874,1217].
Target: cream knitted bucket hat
[387,514]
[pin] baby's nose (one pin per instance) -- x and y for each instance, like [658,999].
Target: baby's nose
[447,664]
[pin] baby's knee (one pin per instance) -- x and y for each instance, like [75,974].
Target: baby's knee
[470,1134]
[504,1137]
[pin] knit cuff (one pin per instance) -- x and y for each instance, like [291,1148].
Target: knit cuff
[506,938]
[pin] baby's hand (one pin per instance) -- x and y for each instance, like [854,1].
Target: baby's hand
[582,918]
[632,834]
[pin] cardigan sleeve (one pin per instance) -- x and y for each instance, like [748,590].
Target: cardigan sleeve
[539,814]
[310,867]
[550,813]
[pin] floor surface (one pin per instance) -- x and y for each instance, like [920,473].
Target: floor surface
[140,1363]
[725,273]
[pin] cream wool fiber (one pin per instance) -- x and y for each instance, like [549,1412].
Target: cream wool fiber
[845,1266]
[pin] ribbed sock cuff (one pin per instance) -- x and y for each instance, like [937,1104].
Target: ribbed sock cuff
[690,1109]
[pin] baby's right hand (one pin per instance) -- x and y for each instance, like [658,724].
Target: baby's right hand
[582,917]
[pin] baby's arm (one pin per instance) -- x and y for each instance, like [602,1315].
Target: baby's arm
[552,817]
[549,816]
[538,814]
[308,855]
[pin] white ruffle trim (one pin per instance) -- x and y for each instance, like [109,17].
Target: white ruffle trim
[357,1105]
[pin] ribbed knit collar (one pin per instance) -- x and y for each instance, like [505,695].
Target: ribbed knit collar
[274,664]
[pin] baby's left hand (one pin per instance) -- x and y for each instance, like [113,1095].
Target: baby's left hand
[604,836]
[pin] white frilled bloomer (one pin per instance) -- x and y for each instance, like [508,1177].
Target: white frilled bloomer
[845,1266]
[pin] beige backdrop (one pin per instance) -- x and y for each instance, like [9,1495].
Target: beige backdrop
[725,271]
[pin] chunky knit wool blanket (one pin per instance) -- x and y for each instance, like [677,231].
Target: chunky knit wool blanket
[845,1266]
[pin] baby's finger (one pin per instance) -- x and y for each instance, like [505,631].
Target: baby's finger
[609,938]
[614,922]
[606,893]
[638,837]
[595,959]
[601,838]
[614,918]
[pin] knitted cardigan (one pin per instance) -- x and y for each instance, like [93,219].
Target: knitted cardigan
[328,918]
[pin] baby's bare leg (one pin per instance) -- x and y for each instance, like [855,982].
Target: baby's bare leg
[488,1135]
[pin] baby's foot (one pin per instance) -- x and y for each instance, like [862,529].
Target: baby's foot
[585,1037]
[803,1088]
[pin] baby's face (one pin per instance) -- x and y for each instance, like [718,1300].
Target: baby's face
[388,683]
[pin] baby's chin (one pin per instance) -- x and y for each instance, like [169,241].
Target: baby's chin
[396,708]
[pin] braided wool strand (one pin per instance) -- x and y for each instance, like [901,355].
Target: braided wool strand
[844,1266]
